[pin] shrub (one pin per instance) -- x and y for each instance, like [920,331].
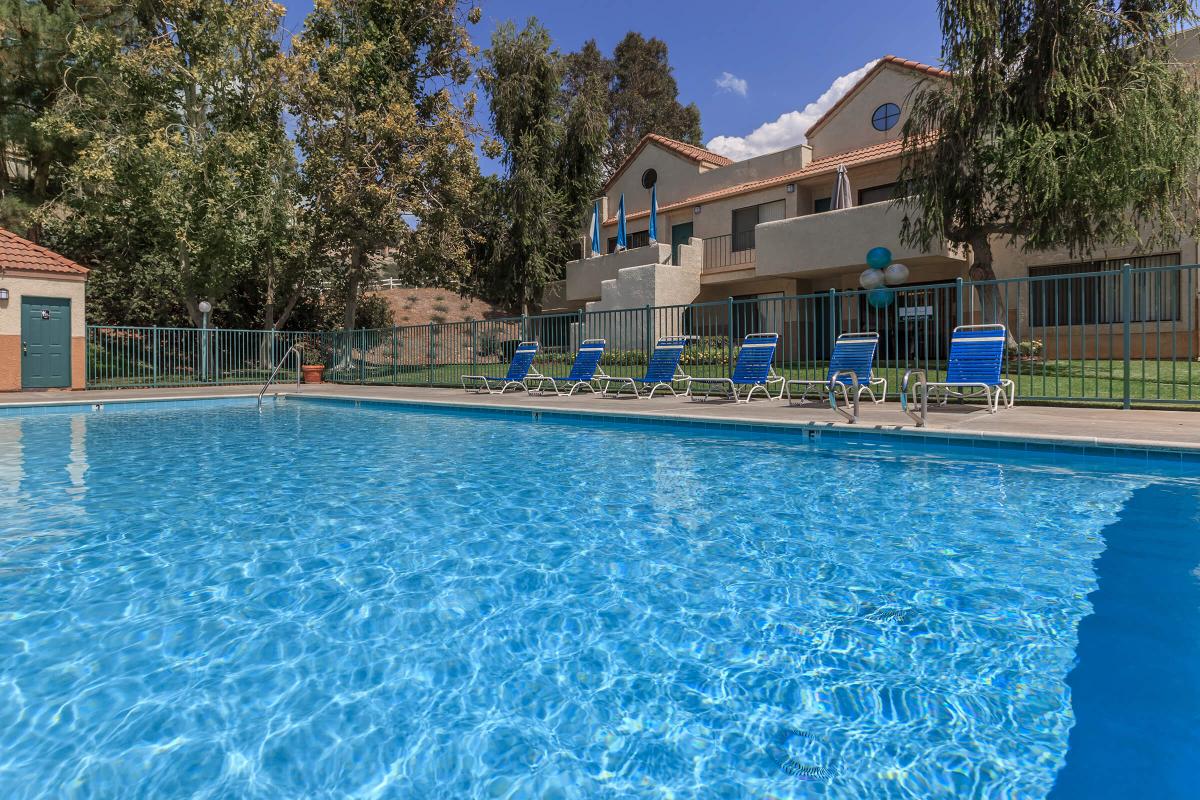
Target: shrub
[1029,348]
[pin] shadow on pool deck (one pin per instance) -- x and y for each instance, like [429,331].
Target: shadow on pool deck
[1134,689]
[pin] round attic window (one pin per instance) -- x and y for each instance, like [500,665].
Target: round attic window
[885,117]
[649,178]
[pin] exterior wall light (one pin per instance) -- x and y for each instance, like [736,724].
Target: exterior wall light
[791,187]
[696,210]
[3,295]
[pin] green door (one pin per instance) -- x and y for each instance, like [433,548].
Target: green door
[679,235]
[45,342]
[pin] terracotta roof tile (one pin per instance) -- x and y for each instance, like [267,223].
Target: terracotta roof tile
[689,151]
[895,61]
[22,254]
[829,164]
[694,152]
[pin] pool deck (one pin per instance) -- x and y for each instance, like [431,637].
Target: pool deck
[1174,430]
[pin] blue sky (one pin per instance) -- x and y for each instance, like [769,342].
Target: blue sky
[745,64]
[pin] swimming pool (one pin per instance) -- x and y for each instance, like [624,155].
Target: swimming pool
[322,599]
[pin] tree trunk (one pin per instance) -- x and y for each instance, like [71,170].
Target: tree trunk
[352,282]
[993,303]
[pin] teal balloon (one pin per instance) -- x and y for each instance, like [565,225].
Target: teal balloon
[881,298]
[879,257]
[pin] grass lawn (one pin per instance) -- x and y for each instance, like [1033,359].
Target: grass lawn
[1067,381]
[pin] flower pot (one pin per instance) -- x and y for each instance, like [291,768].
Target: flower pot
[312,372]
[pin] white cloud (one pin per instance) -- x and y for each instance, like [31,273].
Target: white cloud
[728,82]
[788,130]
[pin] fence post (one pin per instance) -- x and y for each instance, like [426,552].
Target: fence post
[649,334]
[395,356]
[475,346]
[580,335]
[431,354]
[958,301]
[1127,335]
[362,355]
[833,307]
[216,348]
[729,335]
[154,334]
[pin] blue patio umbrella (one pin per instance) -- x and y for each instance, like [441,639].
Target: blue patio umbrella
[654,213]
[621,223]
[596,229]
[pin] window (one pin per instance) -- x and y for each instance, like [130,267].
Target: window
[649,178]
[876,194]
[744,220]
[885,117]
[1072,299]
[822,204]
[632,240]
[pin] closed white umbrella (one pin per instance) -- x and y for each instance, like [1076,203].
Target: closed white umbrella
[841,190]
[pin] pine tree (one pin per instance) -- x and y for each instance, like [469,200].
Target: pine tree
[644,98]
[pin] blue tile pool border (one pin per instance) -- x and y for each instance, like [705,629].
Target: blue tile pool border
[953,441]
[122,404]
[812,431]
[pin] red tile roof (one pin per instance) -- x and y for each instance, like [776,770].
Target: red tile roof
[694,152]
[894,61]
[829,164]
[22,254]
[689,151]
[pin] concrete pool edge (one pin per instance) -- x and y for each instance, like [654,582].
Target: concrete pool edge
[696,416]
[1095,446]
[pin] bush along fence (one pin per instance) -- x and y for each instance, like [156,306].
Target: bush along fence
[1120,336]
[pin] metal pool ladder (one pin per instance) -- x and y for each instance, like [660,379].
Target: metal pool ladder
[275,371]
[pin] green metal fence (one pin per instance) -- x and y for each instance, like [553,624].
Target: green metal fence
[1120,335]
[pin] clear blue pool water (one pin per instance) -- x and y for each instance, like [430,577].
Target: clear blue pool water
[319,601]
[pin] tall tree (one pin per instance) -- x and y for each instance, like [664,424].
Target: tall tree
[524,81]
[644,98]
[34,61]
[176,192]
[383,131]
[1064,125]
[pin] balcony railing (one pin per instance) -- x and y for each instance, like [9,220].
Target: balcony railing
[728,250]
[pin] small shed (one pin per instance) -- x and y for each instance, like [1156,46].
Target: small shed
[42,329]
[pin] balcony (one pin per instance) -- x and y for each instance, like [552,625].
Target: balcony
[731,251]
[834,241]
[585,275]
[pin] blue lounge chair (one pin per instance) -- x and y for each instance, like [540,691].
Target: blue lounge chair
[585,372]
[850,368]
[753,369]
[662,371]
[976,357]
[519,370]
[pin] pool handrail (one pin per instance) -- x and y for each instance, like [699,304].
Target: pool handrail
[976,358]
[275,371]
[852,353]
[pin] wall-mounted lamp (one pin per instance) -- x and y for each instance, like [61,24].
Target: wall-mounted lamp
[3,295]
[696,210]
[791,187]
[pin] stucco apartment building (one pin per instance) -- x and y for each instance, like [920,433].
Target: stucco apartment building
[763,228]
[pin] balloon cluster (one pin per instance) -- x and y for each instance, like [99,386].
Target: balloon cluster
[880,274]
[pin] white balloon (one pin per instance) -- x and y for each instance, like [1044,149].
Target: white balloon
[871,279]
[895,274]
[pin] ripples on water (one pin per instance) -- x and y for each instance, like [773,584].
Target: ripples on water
[324,602]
